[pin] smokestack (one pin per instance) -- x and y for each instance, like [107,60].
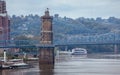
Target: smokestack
[5,57]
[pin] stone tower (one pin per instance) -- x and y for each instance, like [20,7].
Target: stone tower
[46,56]
[46,29]
[4,23]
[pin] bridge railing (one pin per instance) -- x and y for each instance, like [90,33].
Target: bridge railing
[88,42]
[18,42]
[4,43]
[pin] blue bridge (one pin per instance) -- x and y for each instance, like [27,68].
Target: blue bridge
[36,43]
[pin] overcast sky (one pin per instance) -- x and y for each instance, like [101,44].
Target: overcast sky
[69,8]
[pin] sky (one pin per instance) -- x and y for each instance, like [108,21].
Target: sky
[68,8]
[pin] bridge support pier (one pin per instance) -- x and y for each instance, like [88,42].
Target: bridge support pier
[115,49]
[46,58]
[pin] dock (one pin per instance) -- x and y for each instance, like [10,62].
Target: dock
[13,64]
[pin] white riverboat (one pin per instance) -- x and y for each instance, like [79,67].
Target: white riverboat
[79,51]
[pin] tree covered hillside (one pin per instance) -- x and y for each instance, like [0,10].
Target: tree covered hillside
[63,27]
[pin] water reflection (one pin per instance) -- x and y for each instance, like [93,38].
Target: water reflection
[45,67]
[47,72]
[4,72]
[74,65]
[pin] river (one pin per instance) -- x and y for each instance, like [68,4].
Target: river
[95,64]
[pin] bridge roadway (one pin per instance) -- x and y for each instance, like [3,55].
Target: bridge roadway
[26,46]
[60,44]
[89,43]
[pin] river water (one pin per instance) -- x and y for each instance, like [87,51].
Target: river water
[95,64]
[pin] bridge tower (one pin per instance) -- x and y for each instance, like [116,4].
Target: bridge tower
[4,24]
[46,56]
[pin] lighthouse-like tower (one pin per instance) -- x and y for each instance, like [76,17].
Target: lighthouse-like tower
[46,56]
[4,24]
